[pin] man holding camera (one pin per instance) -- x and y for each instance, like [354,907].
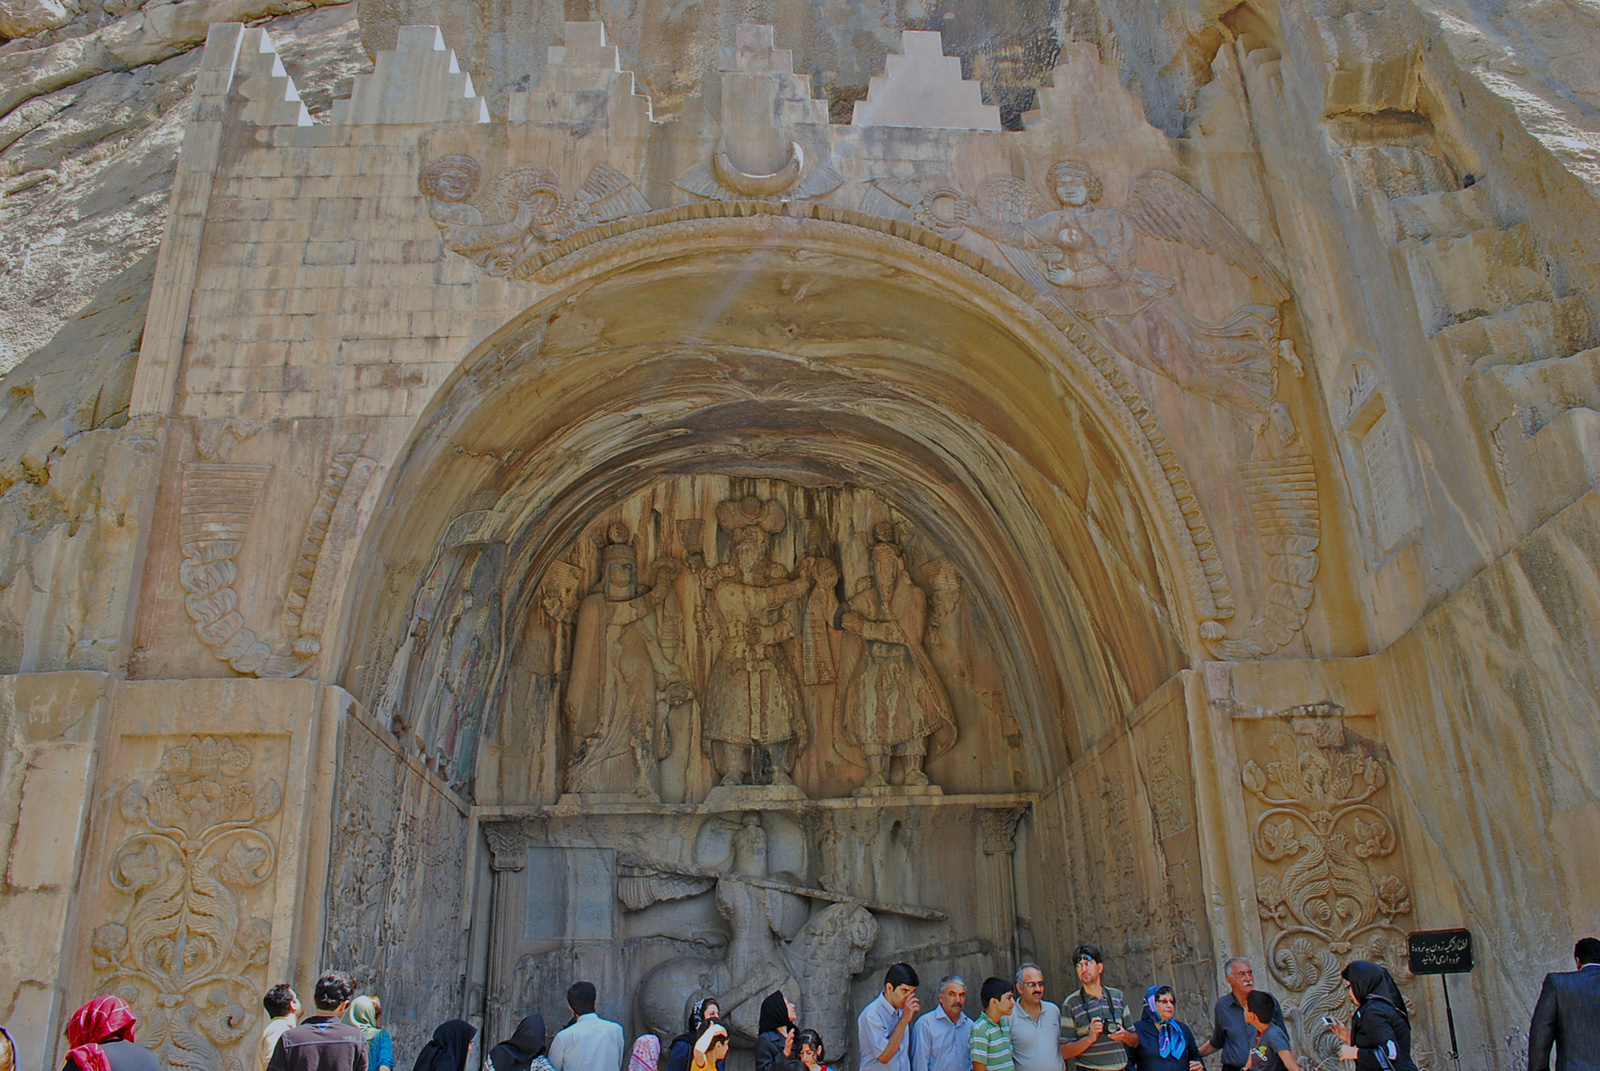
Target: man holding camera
[1100,1017]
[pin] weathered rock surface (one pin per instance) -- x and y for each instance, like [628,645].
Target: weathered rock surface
[90,124]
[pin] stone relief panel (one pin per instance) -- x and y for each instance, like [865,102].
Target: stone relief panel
[398,886]
[715,638]
[661,907]
[502,227]
[446,671]
[1126,813]
[1331,880]
[189,945]
[1091,259]
[1378,456]
[217,506]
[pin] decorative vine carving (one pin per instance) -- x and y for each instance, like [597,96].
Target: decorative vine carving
[1328,904]
[187,954]
[219,499]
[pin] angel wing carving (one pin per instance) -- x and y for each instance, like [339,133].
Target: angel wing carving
[1162,205]
[1088,258]
[521,210]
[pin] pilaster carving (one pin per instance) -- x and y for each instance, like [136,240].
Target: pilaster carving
[219,501]
[189,954]
[1000,829]
[508,845]
[1283,500]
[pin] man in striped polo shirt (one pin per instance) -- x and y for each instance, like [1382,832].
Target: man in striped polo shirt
[990,1041]
[1100,1017]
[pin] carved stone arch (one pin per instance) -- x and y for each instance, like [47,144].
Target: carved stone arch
[822,347]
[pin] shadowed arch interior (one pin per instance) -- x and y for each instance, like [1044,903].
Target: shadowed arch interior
[802,361]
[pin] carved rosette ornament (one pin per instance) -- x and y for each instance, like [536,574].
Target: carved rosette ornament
[188,955]
[1323,892]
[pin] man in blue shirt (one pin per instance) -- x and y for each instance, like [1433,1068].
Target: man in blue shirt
[883,1032]
[939,1040]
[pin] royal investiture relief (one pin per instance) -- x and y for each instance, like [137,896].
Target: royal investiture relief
[712,636]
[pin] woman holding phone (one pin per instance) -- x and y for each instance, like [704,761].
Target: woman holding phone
[1379,1035]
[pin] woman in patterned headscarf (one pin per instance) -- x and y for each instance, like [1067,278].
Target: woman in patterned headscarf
[101,1036]
[646,1055]
[1165,1044]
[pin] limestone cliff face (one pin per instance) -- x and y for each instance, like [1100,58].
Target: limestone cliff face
[95,104]
[92,107]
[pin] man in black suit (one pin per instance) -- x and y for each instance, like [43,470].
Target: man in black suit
[1568,1014]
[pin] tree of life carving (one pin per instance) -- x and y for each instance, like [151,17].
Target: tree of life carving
[1088,258]
[186,951]
[1328,905]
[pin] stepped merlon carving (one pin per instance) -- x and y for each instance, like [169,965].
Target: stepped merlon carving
[923,88]
[419,82]
[586,66]
[261,80]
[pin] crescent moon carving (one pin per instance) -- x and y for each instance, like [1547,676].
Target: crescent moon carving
[755,185]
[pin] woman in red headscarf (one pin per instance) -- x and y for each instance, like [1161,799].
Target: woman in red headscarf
[101,1036]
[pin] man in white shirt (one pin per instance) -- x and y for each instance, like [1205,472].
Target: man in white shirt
[939,1040]
[1035,1025]
[283,1007]
[590,1043]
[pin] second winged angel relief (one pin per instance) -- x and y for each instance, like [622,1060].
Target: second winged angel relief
[1088,258]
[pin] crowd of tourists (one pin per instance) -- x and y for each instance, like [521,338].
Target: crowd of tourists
[1017,1029]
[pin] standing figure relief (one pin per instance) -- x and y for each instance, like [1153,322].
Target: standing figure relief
[754,722]
[619,678]
[895,706]
[1088,258]
[673,677]
[522,210]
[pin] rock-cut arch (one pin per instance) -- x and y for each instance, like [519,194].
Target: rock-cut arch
[819,348]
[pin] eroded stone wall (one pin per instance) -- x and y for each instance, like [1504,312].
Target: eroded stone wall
[400,886]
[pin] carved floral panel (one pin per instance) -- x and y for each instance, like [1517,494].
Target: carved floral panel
[1330,879]
[189,931]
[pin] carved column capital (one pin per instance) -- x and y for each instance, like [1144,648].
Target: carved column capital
[1000,829]
[508,844]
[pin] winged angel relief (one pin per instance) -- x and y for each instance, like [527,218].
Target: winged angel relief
[523,209]
[1087,257]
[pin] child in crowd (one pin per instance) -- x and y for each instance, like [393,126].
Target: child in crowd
[1272,1041]
[990,1043]
[811,1050]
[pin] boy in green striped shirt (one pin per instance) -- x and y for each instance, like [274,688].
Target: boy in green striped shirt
[990,1042]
